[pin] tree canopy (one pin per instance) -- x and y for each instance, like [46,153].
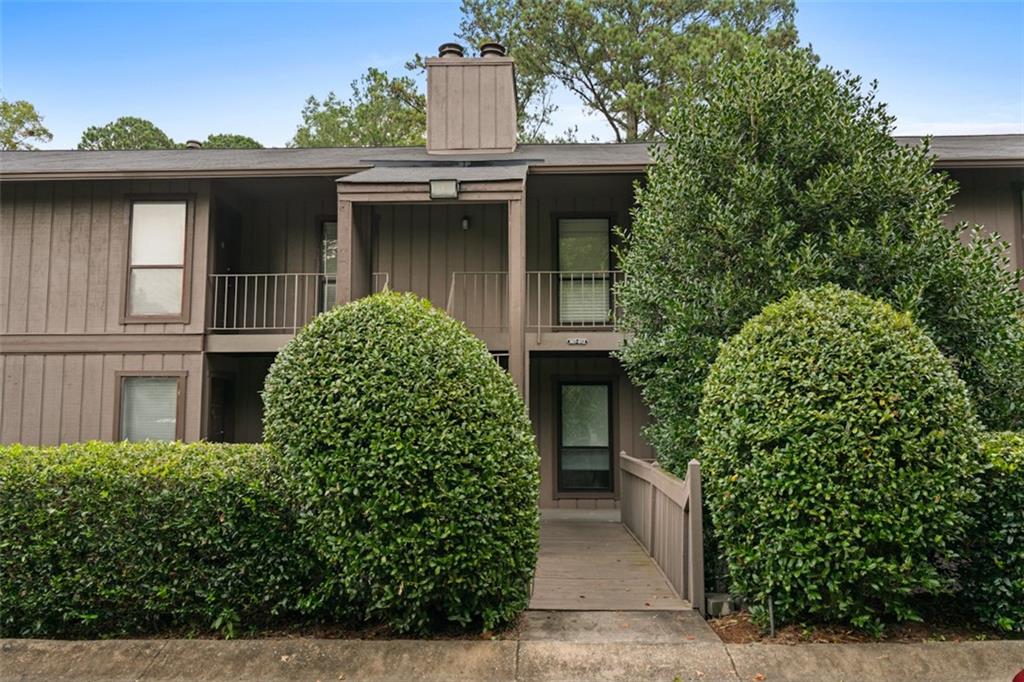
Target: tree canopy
[230,141]
[381,112]
[127,132]
[783,175]
[627,60]
[21,125]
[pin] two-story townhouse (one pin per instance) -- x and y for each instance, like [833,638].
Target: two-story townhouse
[143,294]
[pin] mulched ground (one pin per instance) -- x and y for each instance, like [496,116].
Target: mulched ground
[738,629]
[330,631]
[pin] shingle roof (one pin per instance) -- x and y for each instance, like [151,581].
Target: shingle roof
[951,150]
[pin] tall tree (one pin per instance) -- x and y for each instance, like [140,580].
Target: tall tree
[20,124]
[127,132]
[628,59]
[782,175]
[381,112]
[230,141]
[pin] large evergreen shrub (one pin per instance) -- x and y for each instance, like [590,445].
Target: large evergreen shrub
[783,175]
[839,453]
[129,538]
[994,573]
[416,464]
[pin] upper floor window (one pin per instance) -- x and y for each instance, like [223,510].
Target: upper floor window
[584,255]
[157,255]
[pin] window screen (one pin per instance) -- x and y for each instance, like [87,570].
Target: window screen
[149,408]
[583,263]
[156,264]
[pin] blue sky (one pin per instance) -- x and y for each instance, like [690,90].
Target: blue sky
[196,68]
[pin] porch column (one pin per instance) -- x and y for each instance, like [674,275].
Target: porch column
[353,278]
[518,359]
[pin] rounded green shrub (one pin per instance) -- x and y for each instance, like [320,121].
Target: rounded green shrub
[994,572]
[102,539]
[839,451]
[416,464]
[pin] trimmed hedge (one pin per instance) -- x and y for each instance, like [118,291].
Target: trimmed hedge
[839,449]
[416,464]
[125,538]
[994,575]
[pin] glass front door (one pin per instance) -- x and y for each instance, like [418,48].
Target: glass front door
[585,443]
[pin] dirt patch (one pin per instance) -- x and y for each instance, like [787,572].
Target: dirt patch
[739,629]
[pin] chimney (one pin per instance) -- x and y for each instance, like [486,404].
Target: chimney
[471,101]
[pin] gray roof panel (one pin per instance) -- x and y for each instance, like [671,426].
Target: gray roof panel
[951,150]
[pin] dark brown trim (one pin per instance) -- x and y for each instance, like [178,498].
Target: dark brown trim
[1018,211]
[561,492]
[100,343]
[186,267]
[179,416]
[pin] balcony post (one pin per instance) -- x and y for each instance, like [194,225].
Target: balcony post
[518,359]
[353,277]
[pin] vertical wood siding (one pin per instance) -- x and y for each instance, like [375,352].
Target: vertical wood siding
[64,398]
[629,416]
[549,197]
[421,246]
[992,198]
[470,105]
[63,256]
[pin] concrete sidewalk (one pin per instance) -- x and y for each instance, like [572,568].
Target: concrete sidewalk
[552,646]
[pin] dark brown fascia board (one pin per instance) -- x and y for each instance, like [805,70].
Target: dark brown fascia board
[190,175]
[23,344]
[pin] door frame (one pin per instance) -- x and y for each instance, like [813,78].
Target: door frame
[558,491]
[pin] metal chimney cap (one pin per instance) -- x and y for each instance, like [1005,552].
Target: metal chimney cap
[193,144]
[493,49]
[450,50]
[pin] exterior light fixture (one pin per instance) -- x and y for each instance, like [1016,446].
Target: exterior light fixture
[465,222]
[444,189]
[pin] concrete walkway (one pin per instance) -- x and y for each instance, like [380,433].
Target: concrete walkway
[589,562]
[552,646]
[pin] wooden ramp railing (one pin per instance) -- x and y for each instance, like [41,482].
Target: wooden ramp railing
[664,514]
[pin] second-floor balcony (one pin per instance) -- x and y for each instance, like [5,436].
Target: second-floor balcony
[562,308]
[280,302]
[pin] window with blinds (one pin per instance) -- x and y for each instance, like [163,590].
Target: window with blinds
[156,259]
[584,282]
[149,408]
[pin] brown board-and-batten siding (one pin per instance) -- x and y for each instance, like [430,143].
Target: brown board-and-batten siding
[993,198]
[64,249]
[629,416]
[420,246]
[63,337]
[70,397]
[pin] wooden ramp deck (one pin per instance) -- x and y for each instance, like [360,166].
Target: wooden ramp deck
[589,562]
